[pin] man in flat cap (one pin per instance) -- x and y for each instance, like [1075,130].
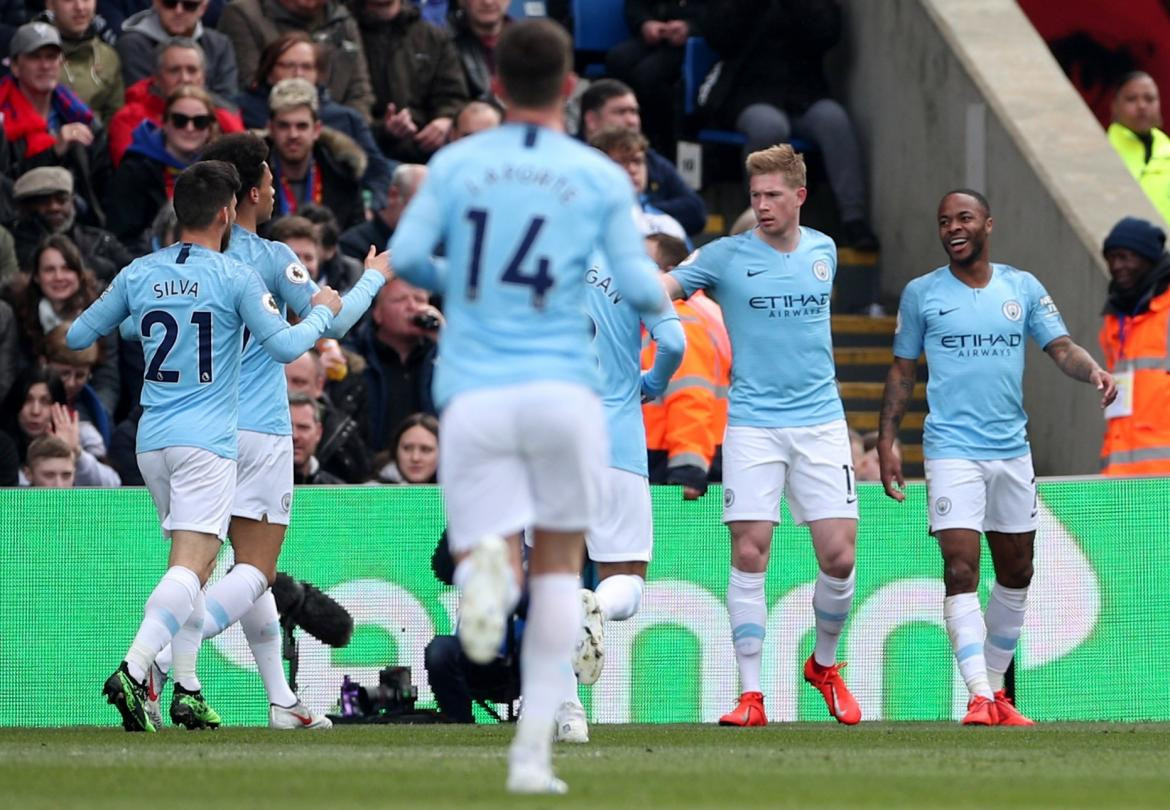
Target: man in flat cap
[44,199]
[45,123]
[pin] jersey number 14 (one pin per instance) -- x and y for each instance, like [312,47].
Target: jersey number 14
[540,281]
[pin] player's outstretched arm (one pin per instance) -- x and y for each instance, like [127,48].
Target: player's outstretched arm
[361,295]
[100,318]
[285,343]
[1077,363]
[895,399]
[670,344]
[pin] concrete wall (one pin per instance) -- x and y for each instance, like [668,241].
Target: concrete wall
[950,93]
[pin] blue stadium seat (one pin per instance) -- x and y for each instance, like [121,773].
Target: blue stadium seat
[698,59]
[525,9]
[598,25]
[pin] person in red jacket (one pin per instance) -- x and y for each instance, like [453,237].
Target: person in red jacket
[180,61]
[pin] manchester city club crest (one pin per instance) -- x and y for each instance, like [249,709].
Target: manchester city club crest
[1012,310]
[942,506]
[296,273]
[286,501]
[728,498]
[821,269]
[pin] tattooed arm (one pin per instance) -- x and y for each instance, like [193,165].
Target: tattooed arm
[1079,364]
[899,390]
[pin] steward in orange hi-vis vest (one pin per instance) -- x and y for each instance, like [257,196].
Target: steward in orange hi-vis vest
[685,425]
[1136,340]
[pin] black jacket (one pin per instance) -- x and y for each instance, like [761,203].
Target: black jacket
[384,415]
[357,240]
[342,450]
[772,52]
[670,194]
[103,253]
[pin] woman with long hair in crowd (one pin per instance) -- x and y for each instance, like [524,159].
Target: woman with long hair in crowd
[413,456]
[57,289]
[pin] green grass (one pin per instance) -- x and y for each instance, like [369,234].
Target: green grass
[799,765]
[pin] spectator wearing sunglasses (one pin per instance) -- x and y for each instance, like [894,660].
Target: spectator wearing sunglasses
[178,61]
[146,30]
[145,180]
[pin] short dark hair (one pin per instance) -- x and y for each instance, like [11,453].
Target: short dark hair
[244,150]
[973,194]
[327,228]
[297,398]
[671,249]
[201,190]
[601,91]
[292,227]
[532,59]
[619,141]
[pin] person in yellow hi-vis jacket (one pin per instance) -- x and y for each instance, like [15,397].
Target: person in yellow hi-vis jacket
[1135,134]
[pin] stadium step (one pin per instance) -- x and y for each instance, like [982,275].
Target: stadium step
[863,352]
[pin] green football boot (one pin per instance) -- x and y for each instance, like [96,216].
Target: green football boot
[190,710]
[128,696]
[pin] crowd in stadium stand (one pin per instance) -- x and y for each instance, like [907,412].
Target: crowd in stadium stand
[104,102]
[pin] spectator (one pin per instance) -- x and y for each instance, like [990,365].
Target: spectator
[75,368]
[418,82]
[377,231]
[58,290]
[36,407]
[1136,135]
[306,436]
[869,468]
[415,457]
[771,86]
[1136,340]
[178,62]
[684,427]
[339,271]
[252,24]
[145,180]
[49,463]
[627,148]
[44,198]
[92,68]
[145,31]
[476,26]
[8,264]
[473,117]
[45,123]
[294,55]
[651,61]
[340,450]
[400,359]
[115,13]
[311,163]
[9,348]
[609,103]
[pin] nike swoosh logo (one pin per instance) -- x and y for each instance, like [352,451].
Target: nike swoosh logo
[850,500]
[942,312]
[750,273]
[747,715]
[305,721]
[153,695]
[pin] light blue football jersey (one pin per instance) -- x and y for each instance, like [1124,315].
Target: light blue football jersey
[263,388]
[617,340]
[776,309]
[191,305]
[520,210]
[974,343]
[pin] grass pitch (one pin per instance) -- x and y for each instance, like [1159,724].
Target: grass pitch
[799,765]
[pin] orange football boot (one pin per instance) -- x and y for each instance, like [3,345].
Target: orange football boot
[831,685]
[748,712]
[1007,713]
[981,712]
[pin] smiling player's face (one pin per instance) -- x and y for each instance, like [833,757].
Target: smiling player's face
[963,228]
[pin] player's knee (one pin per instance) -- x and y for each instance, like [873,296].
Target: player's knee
[960,576]
[838,563]
[1021,577]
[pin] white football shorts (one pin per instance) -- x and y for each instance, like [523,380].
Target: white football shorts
[192,488]
[986,496]
[623,530]
[264,482]
[520,456]
[812,466]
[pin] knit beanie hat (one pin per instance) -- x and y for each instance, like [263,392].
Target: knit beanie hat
[1143,238]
